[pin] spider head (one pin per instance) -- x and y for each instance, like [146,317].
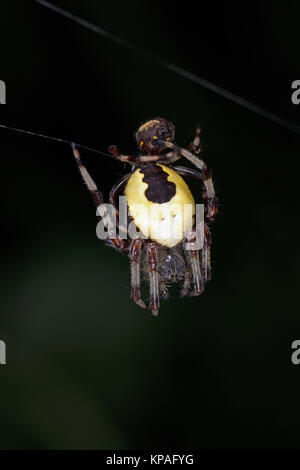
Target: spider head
[152,135]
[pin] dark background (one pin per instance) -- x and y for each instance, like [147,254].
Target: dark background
[86,368]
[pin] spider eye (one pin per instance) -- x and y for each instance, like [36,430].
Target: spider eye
[163,131]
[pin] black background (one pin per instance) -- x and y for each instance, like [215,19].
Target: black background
[86,368]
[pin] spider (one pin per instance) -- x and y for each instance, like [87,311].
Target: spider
[156,184]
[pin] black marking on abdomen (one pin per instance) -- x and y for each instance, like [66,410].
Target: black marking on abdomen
[159,189]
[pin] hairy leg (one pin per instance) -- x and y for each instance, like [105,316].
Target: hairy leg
[208,194]
[195,145]
[152,261]
[163,289]
[113,199]
[205,255]
[135,258]
[186,285]
[99,201]
[192,256]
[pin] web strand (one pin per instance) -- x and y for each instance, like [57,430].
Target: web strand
[56,139]
[176,69]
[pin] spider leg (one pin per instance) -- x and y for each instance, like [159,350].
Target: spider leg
[209,192]
[117,188]
[182,170]
[97,196]
[172,157]
[195,145]
[192,256]
[135,256]
[91,185]
[163,289]
[186,285]
[205,253]
[113,149]
[132,160]
[152,261]
[113,195]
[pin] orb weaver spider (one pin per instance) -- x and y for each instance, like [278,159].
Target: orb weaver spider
[155,183]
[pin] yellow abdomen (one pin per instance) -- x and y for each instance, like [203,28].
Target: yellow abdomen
[163,222]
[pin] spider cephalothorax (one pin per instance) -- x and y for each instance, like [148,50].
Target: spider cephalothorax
[152,136]
[156,196]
